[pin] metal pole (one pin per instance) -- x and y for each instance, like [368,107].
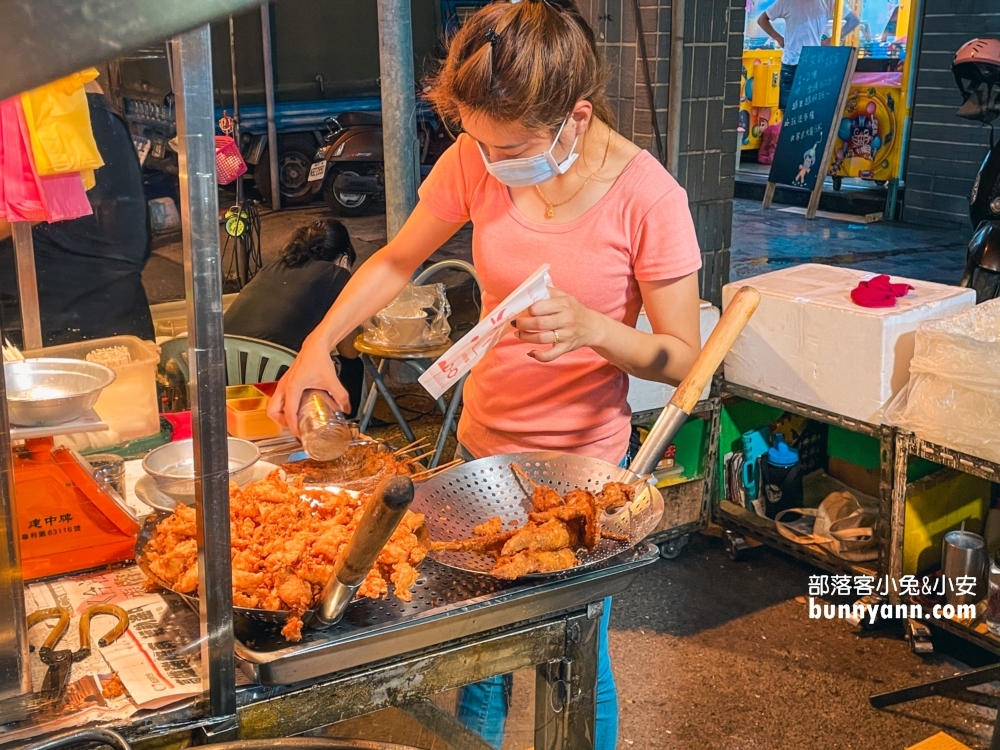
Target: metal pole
[192,56]
[399,112]
[838,22]
[239,246]
[15,678]
[27,285]
[676,90]
[272,130]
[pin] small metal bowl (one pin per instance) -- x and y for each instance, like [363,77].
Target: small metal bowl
[172,465]
[45,391]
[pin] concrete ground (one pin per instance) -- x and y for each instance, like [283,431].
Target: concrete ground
[707,652]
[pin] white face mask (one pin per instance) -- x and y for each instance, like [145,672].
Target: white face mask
[531,170]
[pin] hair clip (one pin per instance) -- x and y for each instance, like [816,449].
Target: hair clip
[492,37]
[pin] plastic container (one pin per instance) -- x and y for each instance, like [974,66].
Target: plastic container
[128,405]
[781,477]
[247,418]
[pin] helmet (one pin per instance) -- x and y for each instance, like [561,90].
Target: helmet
[976,68]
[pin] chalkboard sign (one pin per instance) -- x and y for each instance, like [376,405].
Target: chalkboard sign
[809,128]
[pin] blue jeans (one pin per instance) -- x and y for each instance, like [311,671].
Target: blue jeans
[785,84]
[483,706]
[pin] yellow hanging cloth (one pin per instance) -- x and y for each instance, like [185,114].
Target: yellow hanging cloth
[59,122]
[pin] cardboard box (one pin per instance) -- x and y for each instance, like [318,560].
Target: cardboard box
[808,342]
[646,395]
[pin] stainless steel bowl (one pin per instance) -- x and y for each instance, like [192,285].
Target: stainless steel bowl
[52,391]
[172,465]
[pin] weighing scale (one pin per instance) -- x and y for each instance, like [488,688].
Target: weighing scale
[67,520]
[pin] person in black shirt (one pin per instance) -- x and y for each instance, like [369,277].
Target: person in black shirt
[90,269]
[286,299]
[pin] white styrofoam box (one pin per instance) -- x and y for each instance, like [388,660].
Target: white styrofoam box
[646,395]
[809,342]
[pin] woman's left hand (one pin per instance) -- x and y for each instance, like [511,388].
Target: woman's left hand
[560,321]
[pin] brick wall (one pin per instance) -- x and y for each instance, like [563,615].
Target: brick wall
[945,151]
[713,48]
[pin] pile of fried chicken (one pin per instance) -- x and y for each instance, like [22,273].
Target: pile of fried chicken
[556,528]
[286,539]
[361,468]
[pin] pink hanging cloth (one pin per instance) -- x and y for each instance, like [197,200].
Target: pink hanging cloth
[24,196]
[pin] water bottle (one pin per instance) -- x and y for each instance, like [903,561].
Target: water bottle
[781,477]
[323,428]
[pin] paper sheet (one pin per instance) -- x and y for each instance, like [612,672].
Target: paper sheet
[471,348]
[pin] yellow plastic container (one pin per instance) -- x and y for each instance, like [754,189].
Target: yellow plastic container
[234,392]
[247,418]
[935,505]
[766,76]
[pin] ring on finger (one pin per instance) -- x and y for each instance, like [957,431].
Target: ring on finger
[555,337]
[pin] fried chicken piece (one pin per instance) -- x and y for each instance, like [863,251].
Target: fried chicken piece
[551,535]
[543,498]
[374,586]
[246,582]
[295,592]
[524,563]
[404,576]
[614,495]
[113,688]
[244,600]
[476,544]
[488,528]
[293,629]
[580,504]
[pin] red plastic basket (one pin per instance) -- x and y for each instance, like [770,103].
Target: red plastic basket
[229,162]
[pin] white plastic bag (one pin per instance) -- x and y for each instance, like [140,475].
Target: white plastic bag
[953,397]
[416,319]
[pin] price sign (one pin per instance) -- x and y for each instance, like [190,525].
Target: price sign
[472,347]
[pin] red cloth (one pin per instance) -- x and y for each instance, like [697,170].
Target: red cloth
[878,292]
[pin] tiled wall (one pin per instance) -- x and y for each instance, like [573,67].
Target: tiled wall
[713,47]
[945,151]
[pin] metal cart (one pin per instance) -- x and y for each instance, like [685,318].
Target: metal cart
[740,522]
[458,630]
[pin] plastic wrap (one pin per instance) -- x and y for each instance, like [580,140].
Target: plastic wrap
[953,397]
[416,319]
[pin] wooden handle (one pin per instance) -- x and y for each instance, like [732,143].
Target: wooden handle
[733,320]
[384,511]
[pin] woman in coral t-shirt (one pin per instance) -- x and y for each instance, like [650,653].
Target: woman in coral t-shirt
[544,179]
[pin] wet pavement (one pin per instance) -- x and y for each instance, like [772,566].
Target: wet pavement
[768,240]
[707,652]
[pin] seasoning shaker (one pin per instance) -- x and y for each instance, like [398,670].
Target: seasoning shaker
[323,429]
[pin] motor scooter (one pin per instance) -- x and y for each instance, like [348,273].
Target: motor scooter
[977,72]
[350,165]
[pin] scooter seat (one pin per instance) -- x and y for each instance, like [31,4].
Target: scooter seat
[354,119]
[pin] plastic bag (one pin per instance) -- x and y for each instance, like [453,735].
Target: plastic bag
[953,397]
[416,319]
[24,195]
[58,119]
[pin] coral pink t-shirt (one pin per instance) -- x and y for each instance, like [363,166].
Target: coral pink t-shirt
[641,230]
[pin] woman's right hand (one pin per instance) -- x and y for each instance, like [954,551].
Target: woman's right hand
[312,368]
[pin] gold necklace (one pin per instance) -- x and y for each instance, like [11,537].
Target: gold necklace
[550,207]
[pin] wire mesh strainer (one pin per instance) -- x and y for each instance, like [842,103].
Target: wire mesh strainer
[463,497]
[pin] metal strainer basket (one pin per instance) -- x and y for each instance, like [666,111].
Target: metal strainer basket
[461,498]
